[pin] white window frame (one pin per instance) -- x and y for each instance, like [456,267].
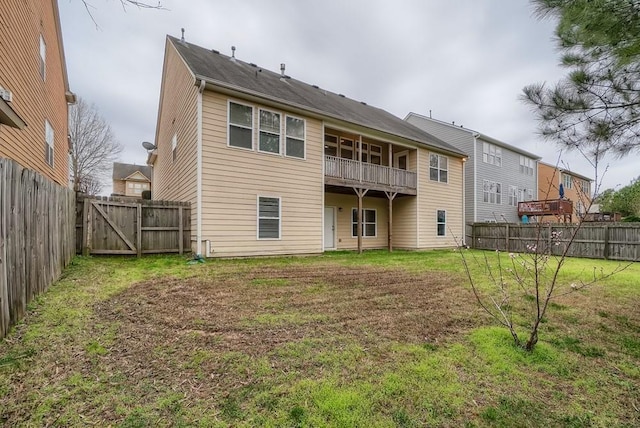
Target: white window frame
[497,196]
[364,223]
[43,58]
[258,218]
[526,165]
[260,131]
[174,146]
[513,196]
[229,125]
[491,154]
[304,137]
[439,168]
[585,186]
[444,223]
[567,181]
[368,152]
[49,146]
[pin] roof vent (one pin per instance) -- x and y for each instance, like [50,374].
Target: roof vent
[215,51]
[182,38]
[282,68]
[233,53]
[340,95]
[363,103]
[315,86]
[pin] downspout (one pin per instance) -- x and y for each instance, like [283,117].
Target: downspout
[475,177]
[464,203]
[199,173]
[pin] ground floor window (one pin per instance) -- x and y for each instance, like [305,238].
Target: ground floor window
[369,221]
[441,220]
[268,217]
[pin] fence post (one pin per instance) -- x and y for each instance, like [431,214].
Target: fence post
[86,232]
[180,231]
[507,239]
[606,242]
[139,229]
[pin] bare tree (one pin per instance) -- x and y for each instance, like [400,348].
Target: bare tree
[139,4]
[93,147]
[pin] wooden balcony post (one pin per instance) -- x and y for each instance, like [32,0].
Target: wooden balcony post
[360,193]
[391,196]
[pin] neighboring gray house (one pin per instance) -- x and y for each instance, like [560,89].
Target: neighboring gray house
[497,175]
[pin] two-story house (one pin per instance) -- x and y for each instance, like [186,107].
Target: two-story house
[34,90]
[273,165]
[576,188]
[497,175]
[131,180]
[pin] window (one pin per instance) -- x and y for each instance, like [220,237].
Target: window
[438,166]
[491,154]
[240,126]
[567,180]
[369,229]
[586,187]
[372,153]
[269,132]
[43,58]
[330,145]
[295,137]
[441,220]
[48,147]
[513,196]
[268,218]
[526,165]
[174,146]
[346,148]
[525,195]
[492,192]
[580,209]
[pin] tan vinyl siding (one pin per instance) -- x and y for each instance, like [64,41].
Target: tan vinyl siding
[344,238]
[434,196]
[34,99]
[233,179]
[178,115]
[119,187]
[405,211]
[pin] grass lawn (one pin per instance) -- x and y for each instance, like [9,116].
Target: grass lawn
[340,340]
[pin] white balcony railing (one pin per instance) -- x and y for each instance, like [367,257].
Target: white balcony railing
[363,172]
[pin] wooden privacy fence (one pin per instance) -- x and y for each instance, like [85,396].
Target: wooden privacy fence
[37,230]
[613,241]
[120,226]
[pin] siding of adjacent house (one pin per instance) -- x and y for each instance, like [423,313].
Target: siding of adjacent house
[508,174]
[233,178]
[34,99]
[549,179]
[177,115]
[119,187]
[463,140]
[434,196]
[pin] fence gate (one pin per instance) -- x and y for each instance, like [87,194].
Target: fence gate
[111,226]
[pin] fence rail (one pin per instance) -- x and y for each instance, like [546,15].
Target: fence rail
[611,241]
[124,226]
[36,237]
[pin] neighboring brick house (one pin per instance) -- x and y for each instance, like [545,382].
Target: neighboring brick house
[272,165]
[34,89]
[576,187]
[497,175]
[131,180]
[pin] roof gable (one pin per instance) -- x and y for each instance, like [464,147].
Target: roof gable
[232,74]
[123,171]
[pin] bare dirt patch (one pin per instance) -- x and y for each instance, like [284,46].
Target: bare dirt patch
[202,326]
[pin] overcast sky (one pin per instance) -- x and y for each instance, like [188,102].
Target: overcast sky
[462,60]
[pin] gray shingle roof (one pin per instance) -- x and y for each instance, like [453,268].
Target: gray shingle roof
[124,170]
[220,69]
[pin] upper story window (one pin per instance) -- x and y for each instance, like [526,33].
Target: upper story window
[372,153]
[49,139]
[526,165]
[269,132]
[586,187]
[43,58]
[240,126]
[491,192]
[491,154]
[295,132]
[174,146]
[438,168]
[567,181]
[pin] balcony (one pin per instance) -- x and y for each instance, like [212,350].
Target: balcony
[555,207]
[350,173]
